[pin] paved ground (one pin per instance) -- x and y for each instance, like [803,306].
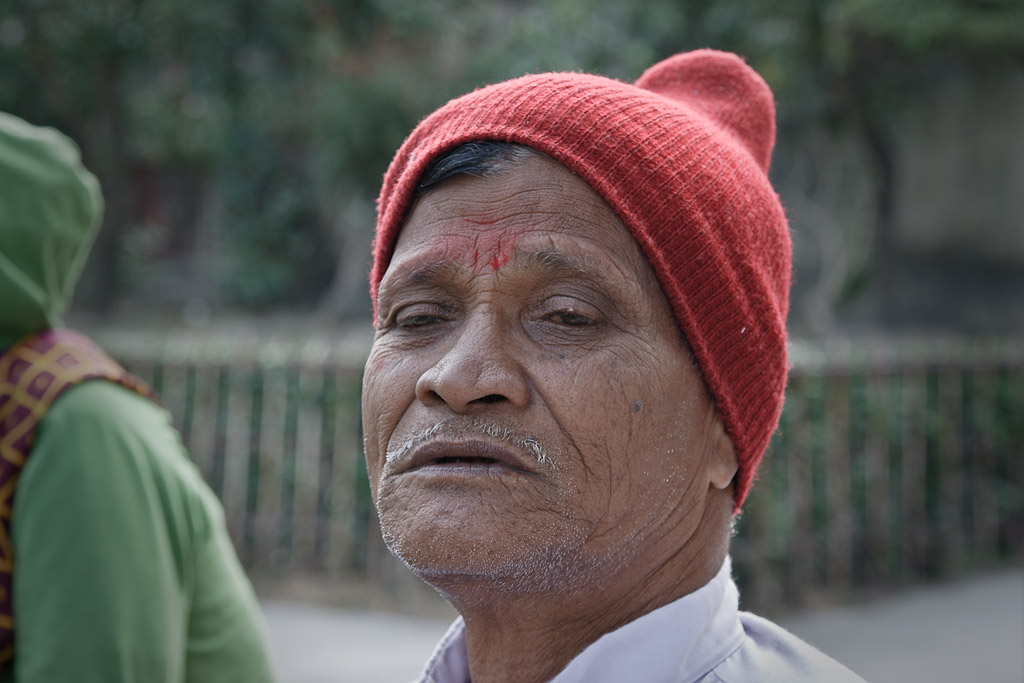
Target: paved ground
[970,630]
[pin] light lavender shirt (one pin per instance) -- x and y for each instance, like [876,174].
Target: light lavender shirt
[700,638]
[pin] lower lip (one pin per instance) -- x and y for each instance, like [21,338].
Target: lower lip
[464,469]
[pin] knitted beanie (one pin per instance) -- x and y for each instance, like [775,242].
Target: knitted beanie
[682,158]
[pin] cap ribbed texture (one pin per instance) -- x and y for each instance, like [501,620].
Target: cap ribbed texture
[682,157]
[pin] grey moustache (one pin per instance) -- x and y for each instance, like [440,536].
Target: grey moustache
[461,428]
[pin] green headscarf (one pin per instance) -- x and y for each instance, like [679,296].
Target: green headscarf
[50,209]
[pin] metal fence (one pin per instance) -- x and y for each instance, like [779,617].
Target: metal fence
[895,462]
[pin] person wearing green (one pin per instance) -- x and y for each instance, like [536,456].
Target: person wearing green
[114,552]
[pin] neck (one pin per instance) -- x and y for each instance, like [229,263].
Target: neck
[528,637]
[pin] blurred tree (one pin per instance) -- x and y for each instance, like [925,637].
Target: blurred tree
[881,55]
[64,64]
[274,120]
[204,88]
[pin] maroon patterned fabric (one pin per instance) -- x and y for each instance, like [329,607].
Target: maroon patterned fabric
[33,373]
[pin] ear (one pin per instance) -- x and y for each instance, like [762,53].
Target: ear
[722,463]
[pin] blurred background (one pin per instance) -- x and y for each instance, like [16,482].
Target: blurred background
[241,143]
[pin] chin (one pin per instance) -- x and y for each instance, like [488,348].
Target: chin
[460,559]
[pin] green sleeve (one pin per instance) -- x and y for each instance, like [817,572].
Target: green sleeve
[118,548]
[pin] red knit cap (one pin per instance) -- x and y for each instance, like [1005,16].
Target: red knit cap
[682,157]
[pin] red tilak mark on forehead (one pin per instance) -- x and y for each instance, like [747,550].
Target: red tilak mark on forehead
[497,248]
[492,248]
[498,260]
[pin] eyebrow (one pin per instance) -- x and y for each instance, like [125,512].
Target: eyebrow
[555,262]
[427,271]
[547,260]
[424,271]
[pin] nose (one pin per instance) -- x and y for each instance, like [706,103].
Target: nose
[476,370]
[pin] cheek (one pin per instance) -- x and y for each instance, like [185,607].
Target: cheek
[596,413]
[389,386]
[627,423]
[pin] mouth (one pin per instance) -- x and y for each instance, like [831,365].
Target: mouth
[464,457]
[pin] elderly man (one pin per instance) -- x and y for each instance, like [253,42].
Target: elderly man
[580,289]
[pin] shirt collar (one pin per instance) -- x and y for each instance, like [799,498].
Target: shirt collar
[680,641]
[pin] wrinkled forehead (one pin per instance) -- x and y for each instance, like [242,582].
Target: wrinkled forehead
[531,184]
[517,209]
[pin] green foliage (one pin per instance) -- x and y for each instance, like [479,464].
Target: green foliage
[289,110]
[926,26]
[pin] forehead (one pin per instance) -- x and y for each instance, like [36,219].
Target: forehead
[536,207]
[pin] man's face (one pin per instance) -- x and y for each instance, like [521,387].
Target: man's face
[530,411]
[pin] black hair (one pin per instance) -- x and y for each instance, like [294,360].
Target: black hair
[481,158]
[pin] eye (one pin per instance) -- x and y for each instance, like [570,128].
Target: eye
[417,321]
[570,312]
[414,321]
[419,316]
[571,318]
